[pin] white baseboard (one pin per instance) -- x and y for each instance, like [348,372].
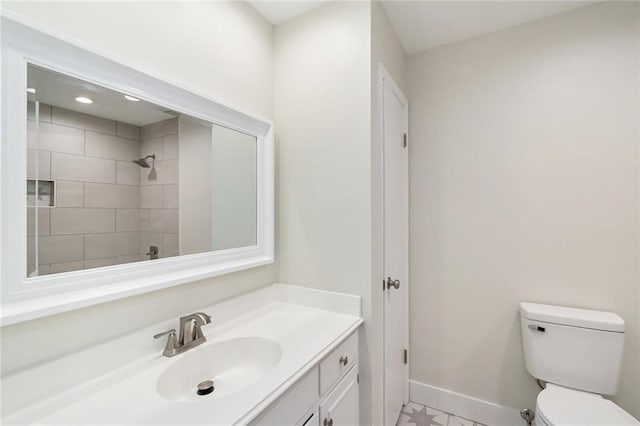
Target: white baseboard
[465,406]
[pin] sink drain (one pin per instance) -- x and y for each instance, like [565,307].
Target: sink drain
[205,388]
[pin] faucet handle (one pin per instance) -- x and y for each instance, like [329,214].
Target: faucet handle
[165,333]
[170,348]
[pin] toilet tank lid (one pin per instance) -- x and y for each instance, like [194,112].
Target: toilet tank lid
[585,318]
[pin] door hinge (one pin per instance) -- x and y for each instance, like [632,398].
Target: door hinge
[406,356]
[404,140]
[358,378]
[383,284]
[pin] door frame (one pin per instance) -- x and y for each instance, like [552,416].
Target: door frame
[384,78]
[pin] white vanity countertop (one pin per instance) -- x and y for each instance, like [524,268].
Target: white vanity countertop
[128,395]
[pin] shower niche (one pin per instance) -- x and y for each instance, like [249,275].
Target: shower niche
[45,195]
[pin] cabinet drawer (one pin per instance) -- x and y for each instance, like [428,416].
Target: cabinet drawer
[291,406]
[338,362]
[341,407]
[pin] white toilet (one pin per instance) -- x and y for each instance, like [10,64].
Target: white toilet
[578,352]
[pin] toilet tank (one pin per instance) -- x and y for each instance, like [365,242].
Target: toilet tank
[575,348]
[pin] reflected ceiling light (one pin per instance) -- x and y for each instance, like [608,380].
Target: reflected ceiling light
[131,98]
[31,90]
[83,100]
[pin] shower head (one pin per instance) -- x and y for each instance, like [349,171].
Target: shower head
[142,162]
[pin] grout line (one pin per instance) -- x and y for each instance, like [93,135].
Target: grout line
[94,208]
[84,248]
[72,126]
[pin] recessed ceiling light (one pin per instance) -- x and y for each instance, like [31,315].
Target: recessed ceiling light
[83,100]
[131,98]
[31,90]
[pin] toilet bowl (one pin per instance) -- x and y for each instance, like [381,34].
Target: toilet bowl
[578,352]
[558,406]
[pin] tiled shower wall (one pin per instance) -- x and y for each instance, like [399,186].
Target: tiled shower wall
[159,198]
[97,218]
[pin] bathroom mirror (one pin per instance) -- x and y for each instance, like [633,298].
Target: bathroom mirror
[116,183]
[122,180]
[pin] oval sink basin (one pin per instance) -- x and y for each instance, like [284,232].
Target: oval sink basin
[232,365]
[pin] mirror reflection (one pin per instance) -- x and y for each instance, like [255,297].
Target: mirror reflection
[112,179]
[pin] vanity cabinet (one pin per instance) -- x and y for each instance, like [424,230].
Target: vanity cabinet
[328,395]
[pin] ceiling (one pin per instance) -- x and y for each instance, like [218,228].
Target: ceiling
[61,90]
[422,25]
[426,24]
[278,12]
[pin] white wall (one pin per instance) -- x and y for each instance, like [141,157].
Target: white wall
[196,176]
[221,50]
[218,187]
[224,51]
[387,50]
[322,109]
[524,186]
[235,191]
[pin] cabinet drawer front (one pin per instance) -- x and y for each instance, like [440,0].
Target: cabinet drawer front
[341,407]
[291,406]
[338,362]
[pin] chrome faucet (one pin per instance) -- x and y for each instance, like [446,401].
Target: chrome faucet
[190,334]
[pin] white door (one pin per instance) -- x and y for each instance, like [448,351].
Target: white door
[395,248]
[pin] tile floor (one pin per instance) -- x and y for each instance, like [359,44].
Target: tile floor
[420,415]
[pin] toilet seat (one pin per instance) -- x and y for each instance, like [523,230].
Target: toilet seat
[558,406]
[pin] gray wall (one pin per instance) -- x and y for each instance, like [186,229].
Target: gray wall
[107,211]
[95,219]
[524,187]
[159,213]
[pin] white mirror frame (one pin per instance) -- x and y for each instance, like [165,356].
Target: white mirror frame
[24,299]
